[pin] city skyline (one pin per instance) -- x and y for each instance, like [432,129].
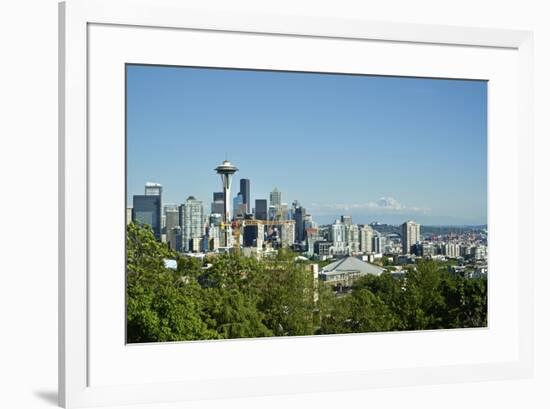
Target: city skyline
[180,121]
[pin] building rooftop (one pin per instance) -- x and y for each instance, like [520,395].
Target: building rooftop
[351,264]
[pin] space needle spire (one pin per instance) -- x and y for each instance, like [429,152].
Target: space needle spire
[226,170]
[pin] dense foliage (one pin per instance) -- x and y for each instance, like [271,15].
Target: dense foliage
[241,297]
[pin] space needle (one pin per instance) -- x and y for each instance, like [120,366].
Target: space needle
[226,170]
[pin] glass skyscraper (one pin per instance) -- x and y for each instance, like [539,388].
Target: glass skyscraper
[260,209]
[245,191]
[147,211]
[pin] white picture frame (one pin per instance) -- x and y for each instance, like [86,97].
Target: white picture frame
[75,149]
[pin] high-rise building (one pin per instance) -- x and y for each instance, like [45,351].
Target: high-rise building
[192,222]
[365,239]
[410,235]
[260,209]
[338,237]
[239,207]
[378,244]
[353,238]
[275,198]
[245,192]
[172,219]
[217,205]
[299,219]
[452,250]
[147,211]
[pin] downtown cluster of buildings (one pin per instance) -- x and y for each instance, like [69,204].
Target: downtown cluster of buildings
[264,225]
[191,227]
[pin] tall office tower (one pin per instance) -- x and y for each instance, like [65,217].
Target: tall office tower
[217,207]
[217,203]
[172,218]
[192,222]
[410,235]
[365,239]
[245,191]
[300,220]
[239,207]
[294,206]
[129,212]
[338,237]
[147,211]
[353,238]
[260,209]
[226,171]
[275,198]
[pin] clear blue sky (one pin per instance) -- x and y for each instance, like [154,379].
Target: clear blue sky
[379,148]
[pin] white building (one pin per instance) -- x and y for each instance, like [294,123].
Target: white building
[366,234]
[452,250]
[192,222]
[338,237]
[378,244]
[353,239]
[410,235]
[344,271]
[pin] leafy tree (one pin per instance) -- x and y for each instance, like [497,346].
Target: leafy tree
[161,306]
[390,291]
[422,299]
[232,315]
[286,296]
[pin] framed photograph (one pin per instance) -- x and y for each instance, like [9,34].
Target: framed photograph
[264,204]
